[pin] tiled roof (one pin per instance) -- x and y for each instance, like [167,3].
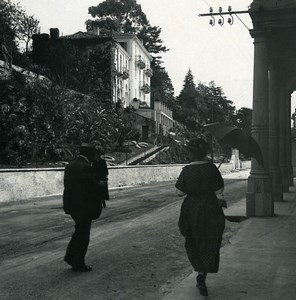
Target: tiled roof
[81,35]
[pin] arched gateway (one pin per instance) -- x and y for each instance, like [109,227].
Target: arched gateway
[274,34]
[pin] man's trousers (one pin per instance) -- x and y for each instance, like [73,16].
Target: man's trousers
[78,244]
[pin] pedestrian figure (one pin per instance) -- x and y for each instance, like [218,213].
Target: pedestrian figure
[101,173]
[202,220]
[81,199]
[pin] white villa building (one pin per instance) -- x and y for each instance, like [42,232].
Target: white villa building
[133,65]
[130,76]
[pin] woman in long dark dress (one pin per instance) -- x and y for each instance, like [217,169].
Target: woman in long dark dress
[202,220]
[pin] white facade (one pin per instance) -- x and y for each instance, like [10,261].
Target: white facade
[138,82]
[163,117]
[121,88]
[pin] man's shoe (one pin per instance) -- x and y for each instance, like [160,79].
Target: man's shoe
[83,268]
[201,284]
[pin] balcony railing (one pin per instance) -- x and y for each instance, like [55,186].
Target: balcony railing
[148,72]
[140,62]
[124,74]
[145,88]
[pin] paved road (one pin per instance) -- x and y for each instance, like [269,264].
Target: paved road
[136,249]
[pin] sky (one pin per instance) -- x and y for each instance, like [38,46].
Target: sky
[223,54]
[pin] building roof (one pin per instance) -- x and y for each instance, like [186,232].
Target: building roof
[81,35]
[115,35]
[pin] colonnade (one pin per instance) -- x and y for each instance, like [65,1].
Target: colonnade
[274,82]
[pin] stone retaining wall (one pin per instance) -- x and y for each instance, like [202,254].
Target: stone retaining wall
[21,184]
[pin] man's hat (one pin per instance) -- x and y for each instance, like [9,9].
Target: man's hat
[88,146]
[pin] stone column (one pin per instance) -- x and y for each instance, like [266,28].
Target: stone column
[283,136]
[289,141]
[274,132]
[259,195]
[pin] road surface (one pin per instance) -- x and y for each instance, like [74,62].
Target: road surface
[136,249]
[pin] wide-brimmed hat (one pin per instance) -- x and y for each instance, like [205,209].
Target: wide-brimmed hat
[198,145]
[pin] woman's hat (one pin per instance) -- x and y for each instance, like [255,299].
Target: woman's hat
[198,145]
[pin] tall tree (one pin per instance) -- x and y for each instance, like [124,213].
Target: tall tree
[243,119]
[127,16]
[162,88]
[205,107]
[27,26]
[188,95]
[15,27]
[186,111]
[222,109]
[202,104]
[9,14]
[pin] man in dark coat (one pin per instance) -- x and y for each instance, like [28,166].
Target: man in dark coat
[81,200]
